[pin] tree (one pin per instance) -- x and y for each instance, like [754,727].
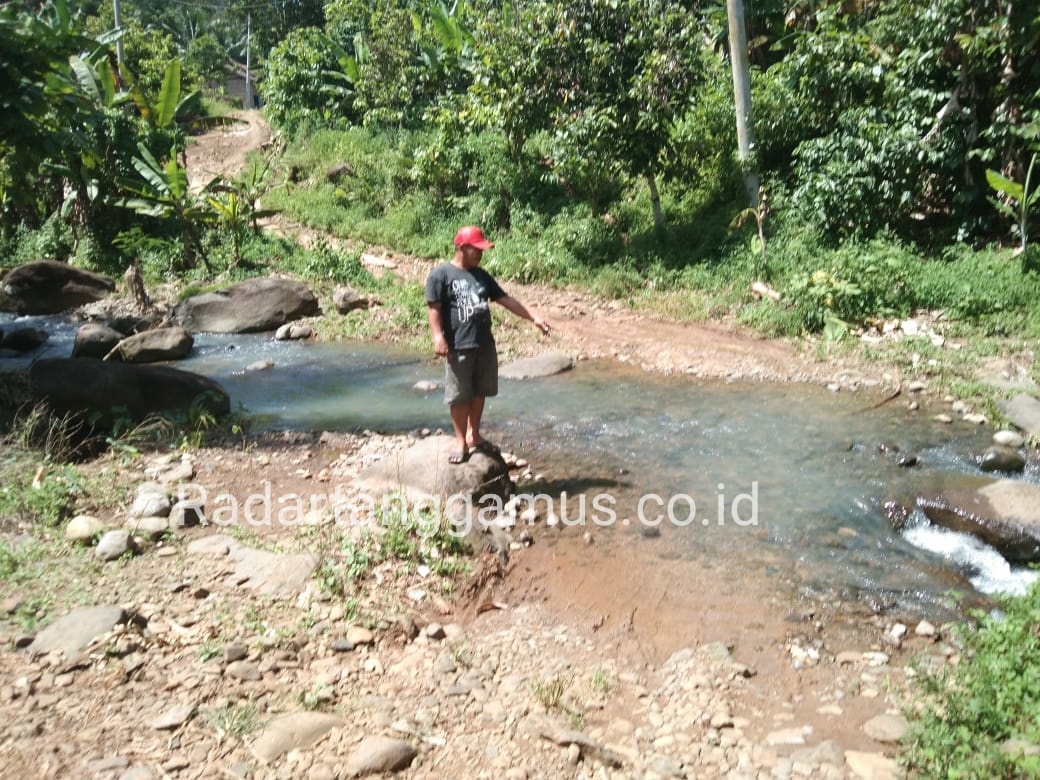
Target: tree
[738,55]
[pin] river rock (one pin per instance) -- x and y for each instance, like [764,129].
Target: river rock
[1024,411]
[73,633]
[1003,513]
[379,754]
[173,718]
[148,527]
[346,300]
[886,728]
[156,345]
[84,529]
[294,731]
[150,500]
[546,364]
[871,766]
[1009,439]
[24,339]
[113,545]
[106,389]
[423,470]
[94,340]
[272,574]
[48,287]
[1000,458]
[247,307]
[293,331]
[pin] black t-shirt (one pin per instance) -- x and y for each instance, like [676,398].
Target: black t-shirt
[464,297]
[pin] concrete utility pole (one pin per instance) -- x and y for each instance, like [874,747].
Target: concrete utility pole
[738,55]
[249,84]
[117,20]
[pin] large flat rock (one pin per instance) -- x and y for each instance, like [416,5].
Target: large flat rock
[423,470]
[1003,513]
[72,633]
[546,364]
[247,307]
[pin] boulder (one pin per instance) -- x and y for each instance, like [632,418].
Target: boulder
[546,364]
[95,340]
[1003,513]
[247,307]
[24,339]
[156,345]
[423,470]
[106,390]
[47,287]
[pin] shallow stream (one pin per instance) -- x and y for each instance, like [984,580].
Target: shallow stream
[811,468]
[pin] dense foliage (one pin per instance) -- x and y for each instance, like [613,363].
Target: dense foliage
[604,127]
[980,717]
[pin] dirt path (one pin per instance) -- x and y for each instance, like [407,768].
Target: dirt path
[583,325]
[222,152]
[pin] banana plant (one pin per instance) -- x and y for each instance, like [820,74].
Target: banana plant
[232,212]
[1017,198]
[162,192]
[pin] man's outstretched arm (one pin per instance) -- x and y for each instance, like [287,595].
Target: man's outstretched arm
[521,311]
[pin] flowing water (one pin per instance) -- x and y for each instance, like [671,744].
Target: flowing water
[789,479]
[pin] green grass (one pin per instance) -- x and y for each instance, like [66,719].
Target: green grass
[969,711]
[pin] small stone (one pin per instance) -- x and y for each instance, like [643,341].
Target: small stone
[110,764]
[113,545]
[924,628]
[148,527]
[791,736]
[84,529]
[359,635]
[151,500]
[379,754]
[573,754]
[1008,439]
[235,651]
[173,718]
[943,418]
[243,670]
[871,765]
[342,646]
[886,728]
[291,732]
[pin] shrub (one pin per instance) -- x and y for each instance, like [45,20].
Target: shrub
[971,710]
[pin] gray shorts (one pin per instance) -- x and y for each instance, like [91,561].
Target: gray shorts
[469,373]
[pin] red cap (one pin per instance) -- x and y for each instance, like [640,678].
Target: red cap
[472,236]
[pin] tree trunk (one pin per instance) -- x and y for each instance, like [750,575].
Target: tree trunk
[742,95]
[655,203]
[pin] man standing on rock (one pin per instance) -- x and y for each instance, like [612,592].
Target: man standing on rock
[459,295]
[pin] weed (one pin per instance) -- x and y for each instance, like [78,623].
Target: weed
[549,693]
[210,649]
[601,683]
[233,719]
[318,697]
